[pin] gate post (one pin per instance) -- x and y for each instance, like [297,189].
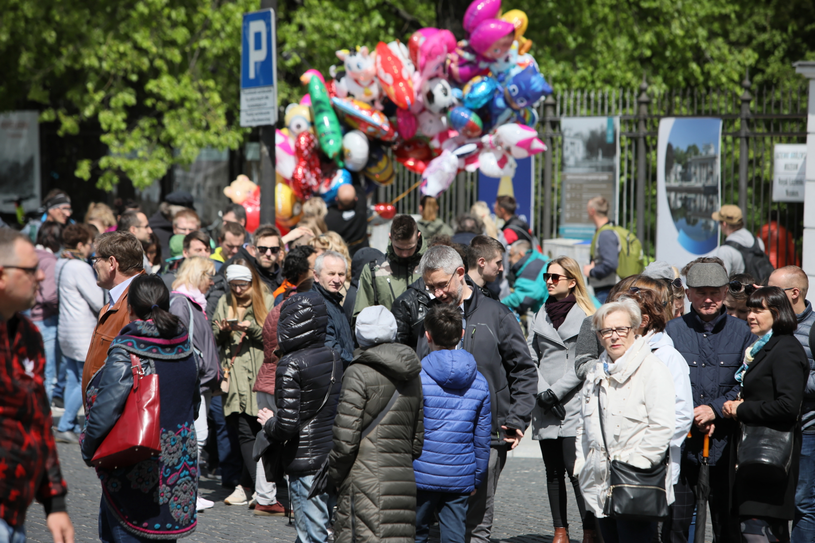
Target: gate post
[807,69]
[643,102]
[746,97]
[548,138]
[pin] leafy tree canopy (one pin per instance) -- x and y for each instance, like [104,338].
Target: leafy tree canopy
[159,79]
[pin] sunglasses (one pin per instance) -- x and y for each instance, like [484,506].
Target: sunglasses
[676,283]
[636,290]
[554,277]
[263,250]
[737,286]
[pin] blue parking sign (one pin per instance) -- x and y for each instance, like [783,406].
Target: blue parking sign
[258,51]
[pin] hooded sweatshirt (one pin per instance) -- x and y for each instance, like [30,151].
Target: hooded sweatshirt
[457,422]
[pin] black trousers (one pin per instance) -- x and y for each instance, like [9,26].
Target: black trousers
[247,428]
[558,457]
[725,525]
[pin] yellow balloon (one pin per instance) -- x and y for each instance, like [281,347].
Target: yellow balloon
[288,207]
[519,19]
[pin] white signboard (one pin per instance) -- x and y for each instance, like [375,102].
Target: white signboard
[258,69]
[19,160]
[789,172]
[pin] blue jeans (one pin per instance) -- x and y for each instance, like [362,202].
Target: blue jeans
[311,517]
[229,450]
[73,395]
[48,330]
[10,534]
[803,527]
[112,531]
[452,515]
[601,293]
[626,531]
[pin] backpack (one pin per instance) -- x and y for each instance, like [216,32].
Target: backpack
[631,260]
[756,263]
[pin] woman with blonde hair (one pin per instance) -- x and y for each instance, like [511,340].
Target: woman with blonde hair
[481,210]
[314,212]
[331,241]
[238,328]
[556,416]
[101,216]
[430,225]
[188,302]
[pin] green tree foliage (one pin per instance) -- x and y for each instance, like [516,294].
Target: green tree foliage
[159,79]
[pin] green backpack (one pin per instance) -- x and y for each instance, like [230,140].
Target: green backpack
[631,260]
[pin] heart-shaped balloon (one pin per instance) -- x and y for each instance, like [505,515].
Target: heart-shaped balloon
[306,176]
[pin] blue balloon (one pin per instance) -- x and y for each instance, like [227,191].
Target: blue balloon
[465,121]
[479,91]
[329,193]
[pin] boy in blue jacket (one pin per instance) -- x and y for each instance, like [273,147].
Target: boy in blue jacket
[457,418]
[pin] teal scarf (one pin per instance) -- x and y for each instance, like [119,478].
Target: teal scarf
[750,354]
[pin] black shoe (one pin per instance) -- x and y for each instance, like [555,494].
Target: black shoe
[66,437]
[58,402]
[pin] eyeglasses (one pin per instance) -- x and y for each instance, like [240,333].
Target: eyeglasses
[621,331]
[30,271]
[432,289]
[184,230]
[240,285]
[788,288]
[95,259]
[554,277]
[737,286]
[263,250]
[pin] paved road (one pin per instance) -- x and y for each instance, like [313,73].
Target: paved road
[522,510]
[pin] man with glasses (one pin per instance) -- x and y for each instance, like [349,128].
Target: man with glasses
[494,338]
[186,221]
[526,278]
[713,344]
[57,208]
[268,249]
[29,467]
[795,284]
[119,258]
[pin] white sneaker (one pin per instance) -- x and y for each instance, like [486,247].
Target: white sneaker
[202,504]
[238,497]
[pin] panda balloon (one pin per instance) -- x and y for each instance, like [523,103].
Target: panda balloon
[437,95]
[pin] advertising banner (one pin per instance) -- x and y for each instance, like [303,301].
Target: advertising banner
[688,188]
[19,160]
[789,172]
[591,167]
[520,186]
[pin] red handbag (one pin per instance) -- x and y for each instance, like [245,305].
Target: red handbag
[136,436]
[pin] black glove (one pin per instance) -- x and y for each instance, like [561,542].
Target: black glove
[559,411]
[547,399]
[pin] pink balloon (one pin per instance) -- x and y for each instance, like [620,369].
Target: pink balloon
[479,11]
[406,123]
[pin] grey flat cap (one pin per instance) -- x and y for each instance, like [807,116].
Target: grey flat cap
[659,269]
[707,275]
[375,325]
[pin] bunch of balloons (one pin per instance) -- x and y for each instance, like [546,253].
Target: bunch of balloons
[440,105]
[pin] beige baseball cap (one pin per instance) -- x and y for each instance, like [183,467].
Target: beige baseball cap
[729,214]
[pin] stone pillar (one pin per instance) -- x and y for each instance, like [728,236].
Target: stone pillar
[807,69]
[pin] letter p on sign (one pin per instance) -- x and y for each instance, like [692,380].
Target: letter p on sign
[257,45]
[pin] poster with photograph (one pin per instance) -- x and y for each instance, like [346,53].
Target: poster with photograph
[789,172]
[19,160]
[520,186]
[688,188]
[591,166]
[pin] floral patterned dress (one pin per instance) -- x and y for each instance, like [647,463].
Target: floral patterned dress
[156,498]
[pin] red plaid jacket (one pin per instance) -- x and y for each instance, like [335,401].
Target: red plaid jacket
[29,467]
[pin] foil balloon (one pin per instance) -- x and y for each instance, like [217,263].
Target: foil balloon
[298,118]
[431,124]
[416,40]
[479,11]
[394,76]
[385,210]
[433,55]
[379,168]
[492,38]
[413,154]
[465,121]
[520,21]
[479,91]
[252,207]
[365,118]
[331,185]
[406,123]
[437,95]
[439,174]
[326,123]
[496,163]
[306,176]
[355,150]
[518,140]
[288,207]
[285,159]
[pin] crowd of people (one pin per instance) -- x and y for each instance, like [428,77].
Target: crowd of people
[370,395]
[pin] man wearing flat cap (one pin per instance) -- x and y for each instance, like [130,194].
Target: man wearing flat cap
[732,224]
[713,344]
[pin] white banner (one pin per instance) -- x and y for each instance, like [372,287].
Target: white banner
[688,188]
[19,160]
[789,172]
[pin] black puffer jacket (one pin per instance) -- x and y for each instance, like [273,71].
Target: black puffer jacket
[409,309]
[376,473]
[302,381]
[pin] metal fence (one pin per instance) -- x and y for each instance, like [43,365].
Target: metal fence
[753,122]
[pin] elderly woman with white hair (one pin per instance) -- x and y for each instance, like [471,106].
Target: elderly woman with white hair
[627,409]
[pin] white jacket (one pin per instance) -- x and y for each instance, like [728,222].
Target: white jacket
[638,415]
[663,347]
[80,300]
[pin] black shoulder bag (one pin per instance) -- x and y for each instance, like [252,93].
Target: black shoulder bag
[634,493]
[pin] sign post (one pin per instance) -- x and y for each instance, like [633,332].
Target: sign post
[259,95]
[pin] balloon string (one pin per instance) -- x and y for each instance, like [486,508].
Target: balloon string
[405,193]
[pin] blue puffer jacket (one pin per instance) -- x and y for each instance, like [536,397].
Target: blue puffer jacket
[457,418]
[713,358]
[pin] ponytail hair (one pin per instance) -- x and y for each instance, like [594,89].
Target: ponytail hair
[150,300]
